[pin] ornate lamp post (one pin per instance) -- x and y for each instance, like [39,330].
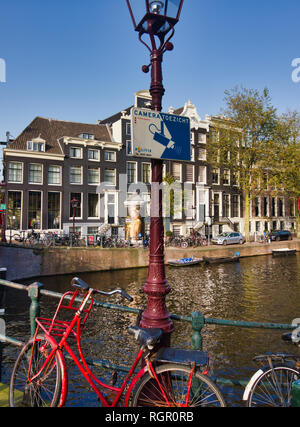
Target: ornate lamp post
[3,212]
[157,20]
[74,204]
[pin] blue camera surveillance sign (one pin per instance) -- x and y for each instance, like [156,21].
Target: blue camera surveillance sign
[159,135]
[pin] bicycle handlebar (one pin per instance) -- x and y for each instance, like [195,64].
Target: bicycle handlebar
[79,283]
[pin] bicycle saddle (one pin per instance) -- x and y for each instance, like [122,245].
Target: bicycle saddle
[148,337]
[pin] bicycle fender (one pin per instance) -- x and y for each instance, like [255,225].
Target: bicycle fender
[251,383]
[134,381]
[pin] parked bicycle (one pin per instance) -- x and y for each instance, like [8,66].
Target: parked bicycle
[168,377]
[271,386]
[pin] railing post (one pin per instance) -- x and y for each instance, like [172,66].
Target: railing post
[3,272]
[296,394]
[198,322]
[34,293]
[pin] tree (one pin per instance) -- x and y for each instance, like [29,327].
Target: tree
[285,148]
[241,139]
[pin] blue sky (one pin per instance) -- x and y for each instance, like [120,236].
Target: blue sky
[81,60]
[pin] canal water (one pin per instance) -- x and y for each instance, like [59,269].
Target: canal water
[262,289]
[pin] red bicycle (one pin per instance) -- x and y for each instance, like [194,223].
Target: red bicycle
[168,377]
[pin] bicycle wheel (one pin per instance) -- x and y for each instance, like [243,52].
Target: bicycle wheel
[174,381]
[271,387]
[43,391]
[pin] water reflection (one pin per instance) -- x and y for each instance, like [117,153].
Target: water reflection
[262,289]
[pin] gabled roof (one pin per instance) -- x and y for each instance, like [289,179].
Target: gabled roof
[51,130]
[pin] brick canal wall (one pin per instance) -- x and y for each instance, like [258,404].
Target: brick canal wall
[24,263]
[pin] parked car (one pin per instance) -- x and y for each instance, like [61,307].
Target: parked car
[228,239]
[280,235]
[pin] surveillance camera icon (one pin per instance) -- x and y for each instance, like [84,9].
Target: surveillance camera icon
[158,136]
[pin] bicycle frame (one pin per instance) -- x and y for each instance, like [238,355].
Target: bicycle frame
[75,327]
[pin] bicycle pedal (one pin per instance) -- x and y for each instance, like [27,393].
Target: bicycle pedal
[114,379]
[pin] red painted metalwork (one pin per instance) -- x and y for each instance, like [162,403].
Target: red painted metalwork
[156,287]
[53,328]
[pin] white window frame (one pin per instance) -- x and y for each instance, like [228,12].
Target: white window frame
[204,174]
[135,172]
[110,152]
[42,174]
[95,151]
[99,176]
[115,177]
[142,175]
[60,175]
[22,173]
[75,148]
[98,207]
[81,204]
[81,175]
[193,177]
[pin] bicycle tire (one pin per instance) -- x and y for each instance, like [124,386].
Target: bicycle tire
[262,390]
[38,393]
[174,379]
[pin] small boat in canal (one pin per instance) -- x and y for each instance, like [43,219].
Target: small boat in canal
[219,260]
[184,262]
[283,251]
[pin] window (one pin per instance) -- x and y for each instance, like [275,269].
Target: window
[176,171]
[93,176]
[75,152]
[53,210]
[215,176]
[128,147]
[14,204]
[226,205]
[201,154]
[128,129]
[15,172]
[75,175]
[189,172]
[235,205]
[176,230]
[35,146]
[226,177]
[86,136]
[93,154]
[146,173]
[54,175]
[131,172]
[34,209]
[273,207]
[111,202]
[202,174]
[93,205]
[77,211]
[92,230]
[280,207]
[265,206]
[256,206]
[35,174]
[110,176]
[257,226]
[110,156]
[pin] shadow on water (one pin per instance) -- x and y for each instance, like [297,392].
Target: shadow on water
[262,289]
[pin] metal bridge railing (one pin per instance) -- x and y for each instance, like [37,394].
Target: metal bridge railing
[197,321]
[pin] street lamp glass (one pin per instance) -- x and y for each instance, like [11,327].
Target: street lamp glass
[143,11]
[156,7]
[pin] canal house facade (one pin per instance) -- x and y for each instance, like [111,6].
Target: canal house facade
[52,162]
